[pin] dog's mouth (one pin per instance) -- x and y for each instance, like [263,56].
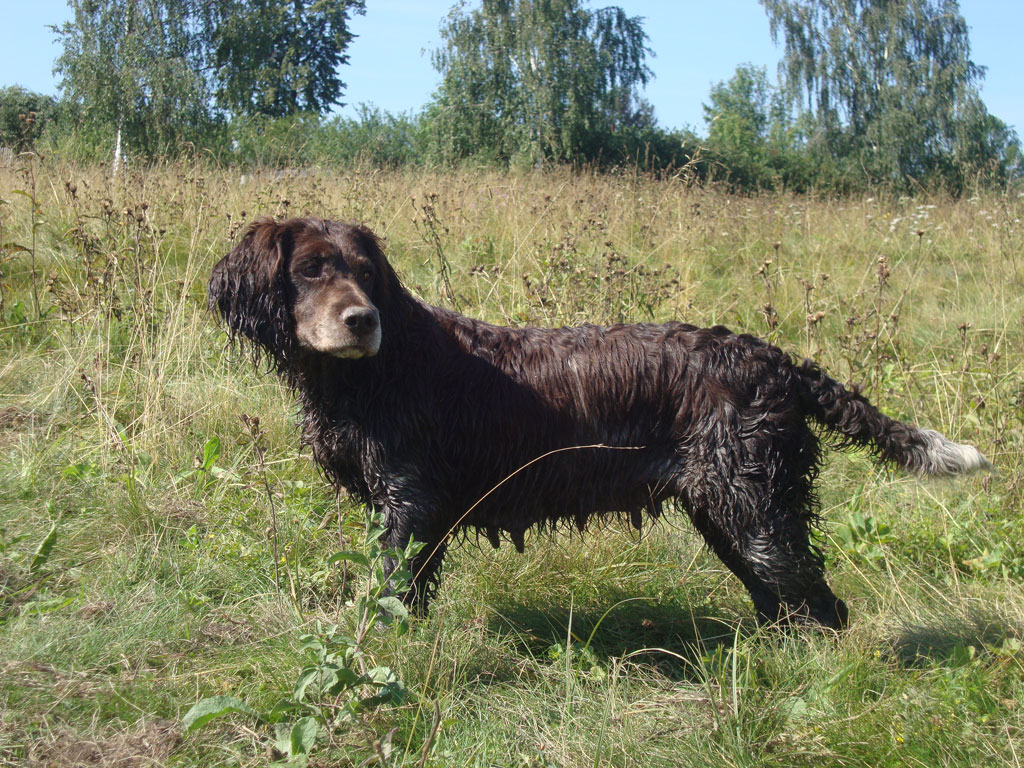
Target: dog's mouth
[338,341]
[353,352]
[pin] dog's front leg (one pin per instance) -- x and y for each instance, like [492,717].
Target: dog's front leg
[407,522]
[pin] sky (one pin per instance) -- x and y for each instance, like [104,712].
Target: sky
[697,43]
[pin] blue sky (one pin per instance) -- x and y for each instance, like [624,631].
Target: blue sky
[696,44]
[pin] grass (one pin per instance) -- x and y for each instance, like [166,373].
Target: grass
[137,561]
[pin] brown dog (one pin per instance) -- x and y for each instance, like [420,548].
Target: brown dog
[442,421]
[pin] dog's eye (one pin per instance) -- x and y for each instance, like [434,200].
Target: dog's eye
[365,275]
[312,269]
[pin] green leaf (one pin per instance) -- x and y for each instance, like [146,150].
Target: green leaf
[287,707]
[393,692]
[373,534]
[206,710]
[988,560]
[381,675]
[400,577]
[224,474]
[42,553]
[307,676]
[79,471]
[352,557]
[393,607]
[962,655]
[211,452]
[283,743]
[303,736]
[344,678]
[795,708]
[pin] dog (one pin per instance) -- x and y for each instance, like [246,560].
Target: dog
[444,422]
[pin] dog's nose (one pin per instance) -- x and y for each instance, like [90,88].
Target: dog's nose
[360,320]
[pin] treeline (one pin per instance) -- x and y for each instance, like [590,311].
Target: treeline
[869,94]
[734,153]
[375,136]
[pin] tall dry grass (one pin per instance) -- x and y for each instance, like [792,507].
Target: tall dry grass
[157,584]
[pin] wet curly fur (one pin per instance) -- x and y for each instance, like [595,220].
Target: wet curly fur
[444,422]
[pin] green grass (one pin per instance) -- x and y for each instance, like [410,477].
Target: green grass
[157,586]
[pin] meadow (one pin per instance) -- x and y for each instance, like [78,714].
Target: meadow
[159,547]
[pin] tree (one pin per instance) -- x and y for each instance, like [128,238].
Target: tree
[164,71]
[738,123]
[738,115]
[278,57]
[134,66]
[890,88]
[537,78]
[23,114]
[752,137]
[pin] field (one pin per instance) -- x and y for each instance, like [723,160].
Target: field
[157,549]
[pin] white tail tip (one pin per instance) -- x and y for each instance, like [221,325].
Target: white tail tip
[943,457]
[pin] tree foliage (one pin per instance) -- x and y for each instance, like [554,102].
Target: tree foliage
[23,115]
[738,119]
[135,66]
[538,79]
[889,88]
[869,91]
[753,141]
[276,57]
[165,71]
[739,115]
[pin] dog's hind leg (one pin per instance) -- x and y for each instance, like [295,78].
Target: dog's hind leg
[767,602]
[426,576]
[747,483]
[425,567]
[754,509]
[783,572]
[788,565]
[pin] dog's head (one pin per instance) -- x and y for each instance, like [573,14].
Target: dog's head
[305,284]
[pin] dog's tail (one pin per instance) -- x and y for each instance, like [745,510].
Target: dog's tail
[849,415]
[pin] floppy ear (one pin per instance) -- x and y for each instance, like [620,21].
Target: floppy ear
[249,290]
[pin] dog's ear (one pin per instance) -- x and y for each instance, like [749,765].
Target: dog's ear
[249,288]
[389,284]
